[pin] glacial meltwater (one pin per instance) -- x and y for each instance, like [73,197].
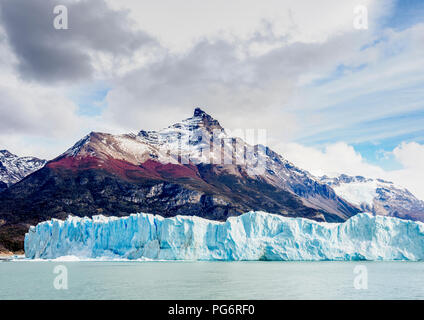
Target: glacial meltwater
[211,280]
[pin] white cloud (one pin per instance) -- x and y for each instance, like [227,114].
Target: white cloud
[411,156]
[333,160]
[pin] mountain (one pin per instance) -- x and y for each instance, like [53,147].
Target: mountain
[377,196]
[13,168]
[194,167]
[251,236]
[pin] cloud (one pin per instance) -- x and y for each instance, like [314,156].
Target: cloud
[250,79]
[411,156]
[29,110]
[243,90]
[373,95]
[180,24]
[97,36]
[37,120]
[42,67]
[332,160]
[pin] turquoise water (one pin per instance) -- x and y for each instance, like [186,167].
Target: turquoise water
[211,280]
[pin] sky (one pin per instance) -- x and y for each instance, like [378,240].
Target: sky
[333,98]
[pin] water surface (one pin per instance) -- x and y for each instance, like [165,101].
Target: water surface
[211,280]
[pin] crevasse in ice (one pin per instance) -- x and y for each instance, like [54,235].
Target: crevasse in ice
[251,236]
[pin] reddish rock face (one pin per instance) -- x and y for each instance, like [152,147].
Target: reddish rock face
[149,169]
[170,171]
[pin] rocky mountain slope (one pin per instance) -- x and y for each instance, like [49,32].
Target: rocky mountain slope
[378,196]
[13,168]
[194,167]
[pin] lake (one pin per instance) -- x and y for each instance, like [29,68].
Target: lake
[211,280]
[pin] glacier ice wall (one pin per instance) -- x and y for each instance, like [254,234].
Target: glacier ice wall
[251,236]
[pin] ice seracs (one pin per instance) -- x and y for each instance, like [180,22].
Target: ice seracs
[251,236]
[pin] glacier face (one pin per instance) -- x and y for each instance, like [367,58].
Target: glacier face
[251,236]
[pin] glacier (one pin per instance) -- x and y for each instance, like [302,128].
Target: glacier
[251,236]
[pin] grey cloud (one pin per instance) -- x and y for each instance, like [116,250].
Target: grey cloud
[49,55]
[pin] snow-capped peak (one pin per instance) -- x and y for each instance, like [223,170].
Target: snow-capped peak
[192,139]
[206,120]
[14,168]
[378,196]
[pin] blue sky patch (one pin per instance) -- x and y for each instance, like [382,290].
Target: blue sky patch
[91,100]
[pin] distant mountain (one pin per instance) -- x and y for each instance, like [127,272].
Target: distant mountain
[377,196]
[13,168]
[194,167]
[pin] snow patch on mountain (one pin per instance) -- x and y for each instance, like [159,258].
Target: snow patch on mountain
[251,236]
